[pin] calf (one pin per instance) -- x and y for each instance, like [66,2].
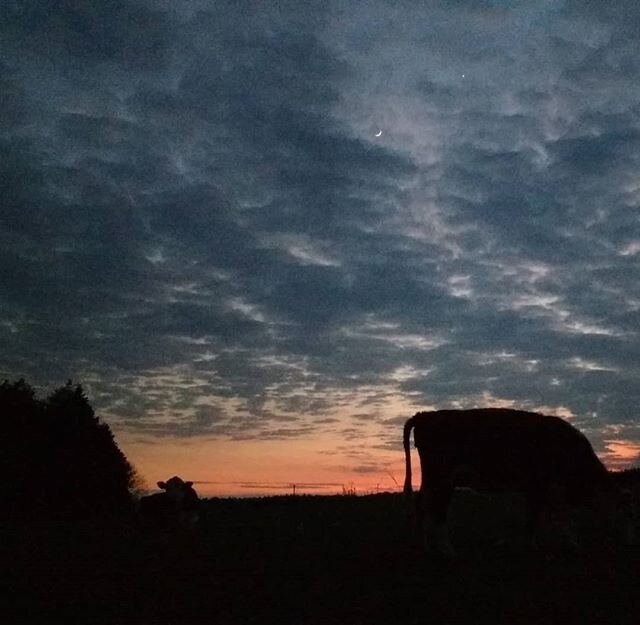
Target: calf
[177,506]
[543,457]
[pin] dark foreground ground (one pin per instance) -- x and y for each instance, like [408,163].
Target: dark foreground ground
[314,560]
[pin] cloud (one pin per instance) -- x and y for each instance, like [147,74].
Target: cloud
[196,193]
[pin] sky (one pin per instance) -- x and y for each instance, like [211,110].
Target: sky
[263,234]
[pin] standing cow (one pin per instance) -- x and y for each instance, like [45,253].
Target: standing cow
[177,505]
[543,457]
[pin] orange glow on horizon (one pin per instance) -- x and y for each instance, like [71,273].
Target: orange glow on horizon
[325,462]
[228,468]
[620,454]
[333,456]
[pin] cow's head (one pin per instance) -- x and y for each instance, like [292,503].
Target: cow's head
[175,488]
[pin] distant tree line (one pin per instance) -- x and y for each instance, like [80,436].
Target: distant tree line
[57,458]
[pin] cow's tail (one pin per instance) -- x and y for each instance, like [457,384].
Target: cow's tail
[406,439]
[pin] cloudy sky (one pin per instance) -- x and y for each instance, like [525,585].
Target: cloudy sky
[263,234]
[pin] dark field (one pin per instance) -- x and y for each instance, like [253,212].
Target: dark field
[309,560]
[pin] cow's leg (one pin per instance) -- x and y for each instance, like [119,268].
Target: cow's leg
[414,513]
[550,512]
[562,515]
[416,507]
[437,504]
[629,517]
[535,507]
[616,513]
[562,523]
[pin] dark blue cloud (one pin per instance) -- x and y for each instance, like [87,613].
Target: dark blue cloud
[201,218]
[126,33]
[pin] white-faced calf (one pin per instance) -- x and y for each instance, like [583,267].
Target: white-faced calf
[178,505]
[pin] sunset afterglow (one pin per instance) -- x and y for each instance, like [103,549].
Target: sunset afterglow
[262,235]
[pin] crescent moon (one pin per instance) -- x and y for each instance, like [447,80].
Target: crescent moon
[379,133]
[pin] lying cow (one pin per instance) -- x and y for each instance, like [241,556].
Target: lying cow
[545,458]
[177,506]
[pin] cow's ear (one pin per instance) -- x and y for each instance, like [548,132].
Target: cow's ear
[162,485]
[188,484]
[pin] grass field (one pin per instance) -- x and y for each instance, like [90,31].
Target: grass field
[313,560]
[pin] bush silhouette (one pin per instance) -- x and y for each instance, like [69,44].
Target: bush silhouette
[58,457]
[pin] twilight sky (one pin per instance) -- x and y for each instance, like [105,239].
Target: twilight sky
[200,224]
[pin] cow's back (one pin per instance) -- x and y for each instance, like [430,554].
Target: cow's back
[156,507]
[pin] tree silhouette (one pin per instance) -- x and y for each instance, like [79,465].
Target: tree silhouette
[22,448]
[59,457]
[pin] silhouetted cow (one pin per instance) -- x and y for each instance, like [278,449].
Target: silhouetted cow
[543,457]
[178,505]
